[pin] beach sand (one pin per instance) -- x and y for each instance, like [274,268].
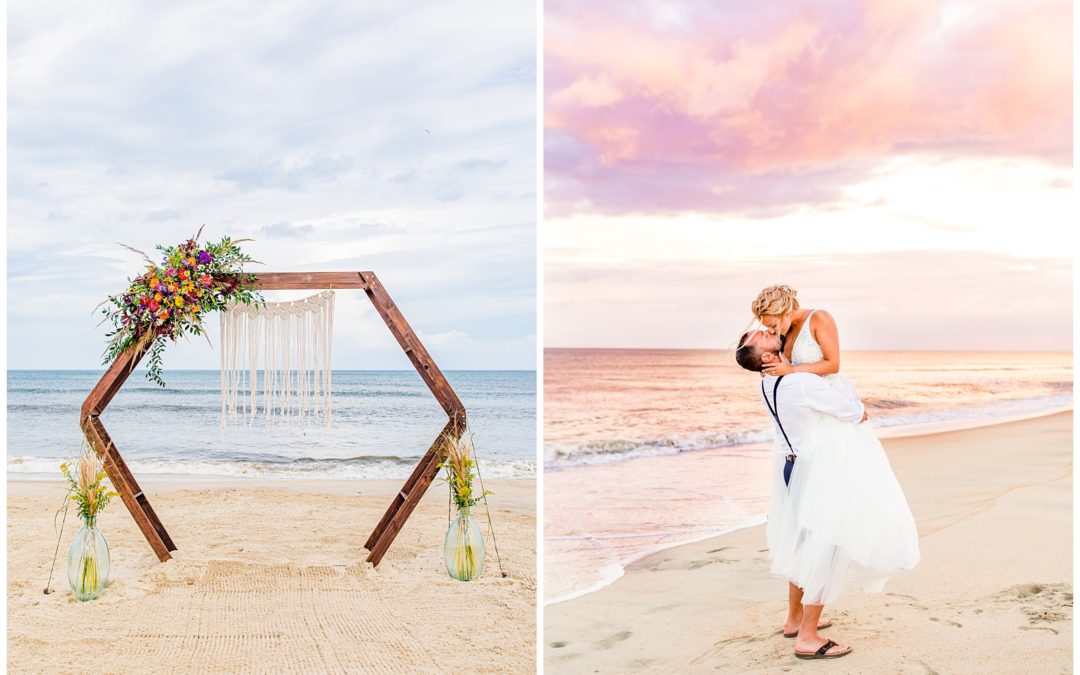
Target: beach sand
[269,576]
[993,592]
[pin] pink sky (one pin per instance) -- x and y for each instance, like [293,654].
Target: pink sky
[808,143]
[734,106]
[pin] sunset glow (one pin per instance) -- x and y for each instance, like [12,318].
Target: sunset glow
[878,156]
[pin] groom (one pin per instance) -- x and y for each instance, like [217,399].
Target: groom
[805,398]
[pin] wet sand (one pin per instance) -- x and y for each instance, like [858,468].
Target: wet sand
[993,592]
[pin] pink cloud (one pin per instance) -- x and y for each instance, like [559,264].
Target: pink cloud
[708,108]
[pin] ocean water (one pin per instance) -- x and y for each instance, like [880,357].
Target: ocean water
[382,423]
[646,449]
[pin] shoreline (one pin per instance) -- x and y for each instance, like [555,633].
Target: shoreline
[903,432]
[883,432]
[731,571]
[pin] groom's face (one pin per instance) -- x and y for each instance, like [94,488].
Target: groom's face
[766,342]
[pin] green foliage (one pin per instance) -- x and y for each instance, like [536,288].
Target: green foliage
[168,301]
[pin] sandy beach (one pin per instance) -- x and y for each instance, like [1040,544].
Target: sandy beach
[269,576]
[993,592]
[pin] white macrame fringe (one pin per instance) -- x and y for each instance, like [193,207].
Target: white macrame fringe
[294,339]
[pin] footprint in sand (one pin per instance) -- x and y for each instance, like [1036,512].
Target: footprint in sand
[920,668]
[743,645]
[558,644]
[697,564]
[946,622]
[1047,628]
[612,640]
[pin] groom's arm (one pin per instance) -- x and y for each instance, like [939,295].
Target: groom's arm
[829,401]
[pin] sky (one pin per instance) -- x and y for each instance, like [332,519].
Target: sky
[397,137]
[906,165]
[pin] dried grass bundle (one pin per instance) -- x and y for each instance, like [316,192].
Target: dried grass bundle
[87,484]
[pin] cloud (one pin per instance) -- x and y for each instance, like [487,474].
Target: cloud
[286,230]
[477,164]
[305,132]
[703,107]
[166,214]
[288,174]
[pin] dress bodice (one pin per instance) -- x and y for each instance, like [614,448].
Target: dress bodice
[806,349]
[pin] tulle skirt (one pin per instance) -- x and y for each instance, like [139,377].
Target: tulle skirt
[842,521]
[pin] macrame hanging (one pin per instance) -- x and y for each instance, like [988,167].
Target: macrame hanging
[292,341]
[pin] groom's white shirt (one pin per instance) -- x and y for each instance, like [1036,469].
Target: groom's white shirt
[804,397]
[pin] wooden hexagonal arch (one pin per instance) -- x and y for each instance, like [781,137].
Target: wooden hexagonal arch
[403,503]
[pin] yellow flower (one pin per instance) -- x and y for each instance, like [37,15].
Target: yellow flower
[179,301]
[191,261]
[157,296]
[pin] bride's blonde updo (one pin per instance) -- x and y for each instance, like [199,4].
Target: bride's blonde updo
[775,301]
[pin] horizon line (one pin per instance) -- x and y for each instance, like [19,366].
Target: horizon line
[726,349]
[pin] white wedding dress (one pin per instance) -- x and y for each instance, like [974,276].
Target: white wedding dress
[843,520]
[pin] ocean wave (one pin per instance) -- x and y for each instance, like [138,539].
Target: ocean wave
[352,468]
[600,452]
[618,450]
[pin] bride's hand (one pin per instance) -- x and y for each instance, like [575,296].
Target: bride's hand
[779,368]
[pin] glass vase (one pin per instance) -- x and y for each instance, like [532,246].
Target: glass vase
[463,548]
[88,562]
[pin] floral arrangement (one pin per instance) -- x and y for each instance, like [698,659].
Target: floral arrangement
[463,547]
[168,300]
[87,485]
[88,560]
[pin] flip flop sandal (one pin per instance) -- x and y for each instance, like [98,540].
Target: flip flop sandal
[820,626]
[820,653]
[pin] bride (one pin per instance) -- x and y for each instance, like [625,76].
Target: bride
[850,524]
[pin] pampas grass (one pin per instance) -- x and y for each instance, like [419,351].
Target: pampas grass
[87,488]
[463,557]
[86,484]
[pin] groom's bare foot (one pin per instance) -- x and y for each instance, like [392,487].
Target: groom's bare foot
[813,649]
[791,628]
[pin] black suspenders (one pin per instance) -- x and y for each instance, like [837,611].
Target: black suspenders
[773,411]
[789,462]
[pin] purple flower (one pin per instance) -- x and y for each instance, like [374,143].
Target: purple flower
[204,257]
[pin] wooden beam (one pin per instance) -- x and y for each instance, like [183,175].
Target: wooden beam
[112,380]
[280,281]
[400,509]
[436,450]
[413,348]
[130,492]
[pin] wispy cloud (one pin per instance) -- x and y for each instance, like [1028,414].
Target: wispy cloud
[715,106]
[337,135]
